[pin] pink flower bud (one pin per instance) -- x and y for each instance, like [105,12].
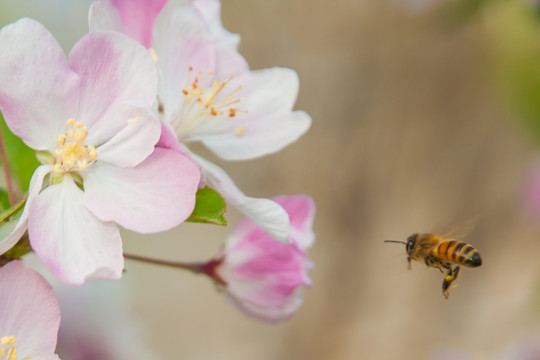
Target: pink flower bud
[260,275]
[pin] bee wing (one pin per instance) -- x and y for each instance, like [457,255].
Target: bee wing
[460,230]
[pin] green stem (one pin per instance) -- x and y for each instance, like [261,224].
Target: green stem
[7,173]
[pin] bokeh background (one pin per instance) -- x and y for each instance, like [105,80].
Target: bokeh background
[425,115]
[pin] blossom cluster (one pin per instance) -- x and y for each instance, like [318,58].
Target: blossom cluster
[112,125]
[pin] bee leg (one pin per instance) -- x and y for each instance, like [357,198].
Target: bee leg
[456,272]
[448,279]
[409,262]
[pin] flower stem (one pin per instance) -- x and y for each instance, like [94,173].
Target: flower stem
[197,268]
[7,173]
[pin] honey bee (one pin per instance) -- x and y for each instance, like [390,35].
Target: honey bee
[441,253]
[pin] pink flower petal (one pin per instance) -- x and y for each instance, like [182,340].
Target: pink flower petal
[168,138]
[38,91]
[264,212]
[73,243]
[28,310]
[138,18]
[134,143]
[156,195]
[18,230]
[262,276]
[116,74]
[303,208]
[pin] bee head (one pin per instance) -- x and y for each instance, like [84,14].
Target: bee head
[411,241]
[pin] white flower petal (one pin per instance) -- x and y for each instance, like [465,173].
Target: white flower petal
[271,90]
[211,12]
[134,143]
[38,91]
[71,241]
[266,213]
[181,41]
[269,124]
[103,16]
[17,230]
[258,137]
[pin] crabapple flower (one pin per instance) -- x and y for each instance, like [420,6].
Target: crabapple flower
[208,94]
[29,315]
[87,117]
[261,276]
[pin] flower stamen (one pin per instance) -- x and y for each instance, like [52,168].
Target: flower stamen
[204,107]
[8,350]
[71,155]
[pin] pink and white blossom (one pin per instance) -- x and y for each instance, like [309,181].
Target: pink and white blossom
[29,314]
[89,117]
[208,94]
[261,276]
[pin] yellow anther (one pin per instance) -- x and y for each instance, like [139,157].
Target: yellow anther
[61,139]
[239,130]
[78,136]
[8,340]
[134,119]
[12,353]
[154,54]
[71,155]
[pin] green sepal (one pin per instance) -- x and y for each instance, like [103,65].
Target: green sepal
[56,178]
[209,208]
[8,220]
[21,158]
[45,157]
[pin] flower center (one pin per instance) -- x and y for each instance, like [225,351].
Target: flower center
[8,351]
[207,107]
[71,155]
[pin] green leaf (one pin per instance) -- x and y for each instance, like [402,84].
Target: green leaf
[4,199]
[21,158]
[209,208]
[12,212]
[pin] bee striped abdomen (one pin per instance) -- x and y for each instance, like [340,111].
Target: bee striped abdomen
[459,252]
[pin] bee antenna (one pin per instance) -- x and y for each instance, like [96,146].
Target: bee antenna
[395,241]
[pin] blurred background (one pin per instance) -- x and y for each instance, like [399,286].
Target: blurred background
[426,114]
